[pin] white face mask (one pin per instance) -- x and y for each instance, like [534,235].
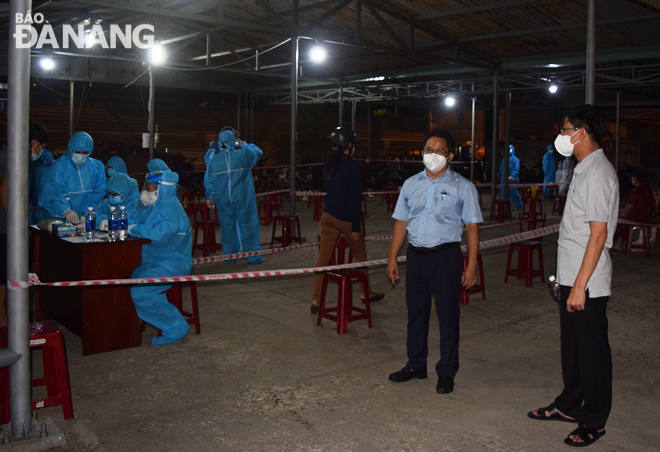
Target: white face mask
[563,144]
[79,159]
[434,162]
[148,198]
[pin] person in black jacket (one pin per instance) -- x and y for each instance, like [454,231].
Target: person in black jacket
[342,214]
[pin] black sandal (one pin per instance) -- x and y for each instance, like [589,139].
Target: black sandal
[553,414]
[587,435]
[314,309]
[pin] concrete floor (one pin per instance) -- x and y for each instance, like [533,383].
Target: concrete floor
[263,377]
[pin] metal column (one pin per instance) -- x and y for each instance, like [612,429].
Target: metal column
[245,127]
[618,128]
[341,106]
[591,52]
[474,148]
[252,120]
[18,309]
[507,139]
[294,123]
[71,87]
[369,132]
[353,115]
[496,119]
[152,111]
[238,111]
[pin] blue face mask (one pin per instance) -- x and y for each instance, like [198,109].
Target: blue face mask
[79,159]
[111,172]
[114,200]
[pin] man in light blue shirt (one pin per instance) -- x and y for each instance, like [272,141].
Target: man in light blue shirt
[433,209]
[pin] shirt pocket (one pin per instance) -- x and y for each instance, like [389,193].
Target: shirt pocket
[448,209]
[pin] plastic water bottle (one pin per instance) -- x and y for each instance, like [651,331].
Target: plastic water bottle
[553,285]
[123,223]
[90,224]
[113,225]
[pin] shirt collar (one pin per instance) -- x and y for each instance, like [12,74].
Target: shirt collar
[444,177]
[580,167]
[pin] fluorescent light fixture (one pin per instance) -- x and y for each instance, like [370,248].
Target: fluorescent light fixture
[450,101]
[553,88]
[157,54]
[318,54]
[552,65]
[47,64]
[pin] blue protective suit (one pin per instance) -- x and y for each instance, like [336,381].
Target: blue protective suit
[157,165]
[514,171]
[228,180]
[168,254]
[37,172]
[84,185]
[117,164]
[549,169]
[127,188]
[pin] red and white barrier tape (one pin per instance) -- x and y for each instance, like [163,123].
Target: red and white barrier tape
[274,192]
[225,257]
[633,223]
[34,279]
[518,185]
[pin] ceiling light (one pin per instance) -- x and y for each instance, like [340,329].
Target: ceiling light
[47,64]
[157,54]
[450,101]
[553,88]
[318,54]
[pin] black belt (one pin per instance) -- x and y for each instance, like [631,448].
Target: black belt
[435,249]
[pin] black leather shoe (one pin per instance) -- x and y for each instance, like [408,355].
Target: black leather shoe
[406,374]
[314,309]
[445,385]
[374,297]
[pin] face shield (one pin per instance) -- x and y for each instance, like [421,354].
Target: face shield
[149,194]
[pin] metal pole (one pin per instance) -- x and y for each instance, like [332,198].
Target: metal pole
[152,111]
[246,115]
[294,123]
[496,118]
[238,111]
[369,132]
[507,139]
[341,105]
[208,49]
[252,120]
[353,115]
[618,129]
[18,309]
[71,87]
[591,52]
[473,146]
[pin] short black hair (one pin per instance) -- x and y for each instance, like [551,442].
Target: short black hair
[591,118]
[39,133]
[439,133]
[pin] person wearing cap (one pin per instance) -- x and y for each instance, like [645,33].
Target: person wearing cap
[514,178]
[549,169]
[74,182]
[434,207]
[639,208]
[167,226]
[342,213]
[228,181]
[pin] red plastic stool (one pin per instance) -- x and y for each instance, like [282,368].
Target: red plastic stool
[558,203]
[190,200]
[287,237]
[534,222]
[46,336]
[645,247]
[532,206]
[208,227]
[175,296]
[318,208]
[269,205]
[364,206]
[525,269]
[479,287]
[391,202]
[339,251]
[344,311]
[501,210]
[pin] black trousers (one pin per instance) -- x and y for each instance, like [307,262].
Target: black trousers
[586,362]
[437,274]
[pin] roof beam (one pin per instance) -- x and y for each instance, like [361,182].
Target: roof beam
[384,24]
[273,14]
[473,9]
[329,13]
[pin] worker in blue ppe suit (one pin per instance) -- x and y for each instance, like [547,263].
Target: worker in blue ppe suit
[115,165]
[228,180]
[168,254]
[40,160]
[514,178]
[122,190]
[76,176]
[549,169]
[213,148]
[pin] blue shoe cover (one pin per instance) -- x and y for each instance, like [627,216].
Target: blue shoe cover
[163,340]
[255,260]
